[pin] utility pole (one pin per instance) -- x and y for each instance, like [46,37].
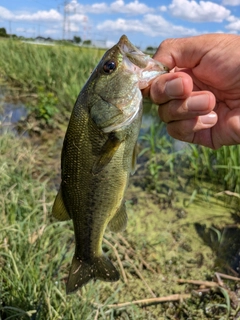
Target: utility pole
[65,19]
[10,28]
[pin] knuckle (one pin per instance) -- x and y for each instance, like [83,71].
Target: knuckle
[166,42]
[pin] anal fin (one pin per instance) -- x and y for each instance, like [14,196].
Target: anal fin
[59,210]
[119,221]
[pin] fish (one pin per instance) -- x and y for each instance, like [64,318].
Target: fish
[98,155]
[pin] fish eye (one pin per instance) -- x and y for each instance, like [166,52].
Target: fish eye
[109,67]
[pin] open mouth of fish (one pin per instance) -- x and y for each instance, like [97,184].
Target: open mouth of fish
[145,70]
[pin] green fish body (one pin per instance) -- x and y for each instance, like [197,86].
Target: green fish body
[98,155]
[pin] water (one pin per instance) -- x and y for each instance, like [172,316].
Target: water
[10,112]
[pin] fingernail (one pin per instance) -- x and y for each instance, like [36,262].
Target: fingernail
[174,88]
[208,119]
[198,103]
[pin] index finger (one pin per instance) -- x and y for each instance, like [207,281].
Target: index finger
[169,86]
[186,52]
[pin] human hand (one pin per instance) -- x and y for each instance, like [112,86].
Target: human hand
[200,99]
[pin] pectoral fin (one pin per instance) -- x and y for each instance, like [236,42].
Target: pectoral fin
[107,152]
[119,221]
[59,210]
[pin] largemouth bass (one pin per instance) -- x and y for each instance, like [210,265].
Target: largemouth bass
[98,155]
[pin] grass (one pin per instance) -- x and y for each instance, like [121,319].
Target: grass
[152,254]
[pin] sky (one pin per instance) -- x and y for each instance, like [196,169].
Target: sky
[145,22]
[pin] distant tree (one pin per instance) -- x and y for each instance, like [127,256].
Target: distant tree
[87,42]
[149,48]
[77,39]
[3,32]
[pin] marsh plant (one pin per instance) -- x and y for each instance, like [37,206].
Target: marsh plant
[197,165]
[157,147]
[46,107]
[221,166]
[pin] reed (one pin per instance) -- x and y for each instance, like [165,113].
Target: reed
[203,166]
[220,167]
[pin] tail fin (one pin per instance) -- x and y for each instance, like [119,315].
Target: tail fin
[82,272]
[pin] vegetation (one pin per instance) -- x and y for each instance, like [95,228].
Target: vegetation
[3,33]
[77,39]
[60,70]
[200,165]
[158,255]
[180,233]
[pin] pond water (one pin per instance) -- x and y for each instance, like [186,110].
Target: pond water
[10,111]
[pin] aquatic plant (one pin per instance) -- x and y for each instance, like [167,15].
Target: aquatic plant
[46,106]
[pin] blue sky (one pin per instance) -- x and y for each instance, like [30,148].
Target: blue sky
[146,23]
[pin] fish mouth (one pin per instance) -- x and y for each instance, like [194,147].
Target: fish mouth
[146,68]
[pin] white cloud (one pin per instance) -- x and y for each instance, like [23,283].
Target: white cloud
[199,12]
[231,2]
[78,18]
[151,25]
[122,25]
[51,15]
[161,27]
[119,6]
[234,25]
[96,8]
[73,27]
[232,18]
[133,8]
[162,8]
[5,13]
